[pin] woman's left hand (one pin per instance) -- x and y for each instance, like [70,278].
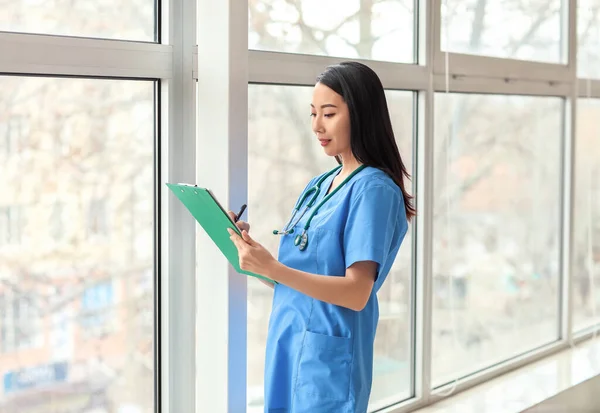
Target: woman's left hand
[253,256]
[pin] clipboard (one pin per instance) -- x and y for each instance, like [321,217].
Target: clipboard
[212,217]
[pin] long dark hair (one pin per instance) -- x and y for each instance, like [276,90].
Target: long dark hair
[371,136]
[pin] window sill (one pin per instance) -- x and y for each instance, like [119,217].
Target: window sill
[528,386]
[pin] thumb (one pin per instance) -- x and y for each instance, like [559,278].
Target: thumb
[246,237]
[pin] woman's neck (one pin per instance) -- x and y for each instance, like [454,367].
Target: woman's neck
[349,165]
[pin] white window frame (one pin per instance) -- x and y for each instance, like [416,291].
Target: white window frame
[222,163]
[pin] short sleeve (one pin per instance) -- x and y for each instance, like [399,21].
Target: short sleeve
[371,225]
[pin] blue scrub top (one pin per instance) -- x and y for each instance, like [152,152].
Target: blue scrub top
[319,356]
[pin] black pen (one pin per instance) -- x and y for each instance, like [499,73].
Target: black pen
[239,214]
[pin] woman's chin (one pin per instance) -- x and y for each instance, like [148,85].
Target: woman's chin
[330,151]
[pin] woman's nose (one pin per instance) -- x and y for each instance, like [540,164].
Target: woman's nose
[317,125]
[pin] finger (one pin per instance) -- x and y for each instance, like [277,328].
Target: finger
[231,215]
[233,236]
[246,237]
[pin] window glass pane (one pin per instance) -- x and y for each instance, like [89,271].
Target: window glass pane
[284,156]
[367,29]
[111,19]
[479,27]
[76,245]
[496,240]
[588,32]
[586,247]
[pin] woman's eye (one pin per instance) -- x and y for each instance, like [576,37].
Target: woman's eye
[313,114]
[329,115]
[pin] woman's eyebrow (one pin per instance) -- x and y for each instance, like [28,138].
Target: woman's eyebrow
[327,105]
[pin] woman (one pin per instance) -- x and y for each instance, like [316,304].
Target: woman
[335,252]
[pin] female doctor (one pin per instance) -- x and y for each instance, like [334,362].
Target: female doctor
[335,252]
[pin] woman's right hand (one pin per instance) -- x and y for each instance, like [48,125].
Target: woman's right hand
[242,225]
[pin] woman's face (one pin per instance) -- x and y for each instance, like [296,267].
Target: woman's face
[331,121]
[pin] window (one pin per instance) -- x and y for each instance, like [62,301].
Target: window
[97,220]
[367,29]
[588,38]
[10,225]
[127,20]
[86,289]
[288,163]
[480,28]
[496,230]
[97,111]
[19,322]
[586,230]
[57,223]
[13,134]
[96,309]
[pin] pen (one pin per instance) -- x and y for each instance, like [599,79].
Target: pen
[239,214]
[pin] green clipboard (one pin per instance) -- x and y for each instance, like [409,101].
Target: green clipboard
[213,218]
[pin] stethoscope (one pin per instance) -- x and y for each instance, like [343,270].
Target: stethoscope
[301,240]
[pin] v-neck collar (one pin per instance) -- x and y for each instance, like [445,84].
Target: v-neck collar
[330,183]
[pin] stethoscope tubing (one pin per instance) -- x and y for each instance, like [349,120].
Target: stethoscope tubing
[302,239]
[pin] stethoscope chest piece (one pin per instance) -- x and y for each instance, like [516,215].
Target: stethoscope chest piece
[301,241]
